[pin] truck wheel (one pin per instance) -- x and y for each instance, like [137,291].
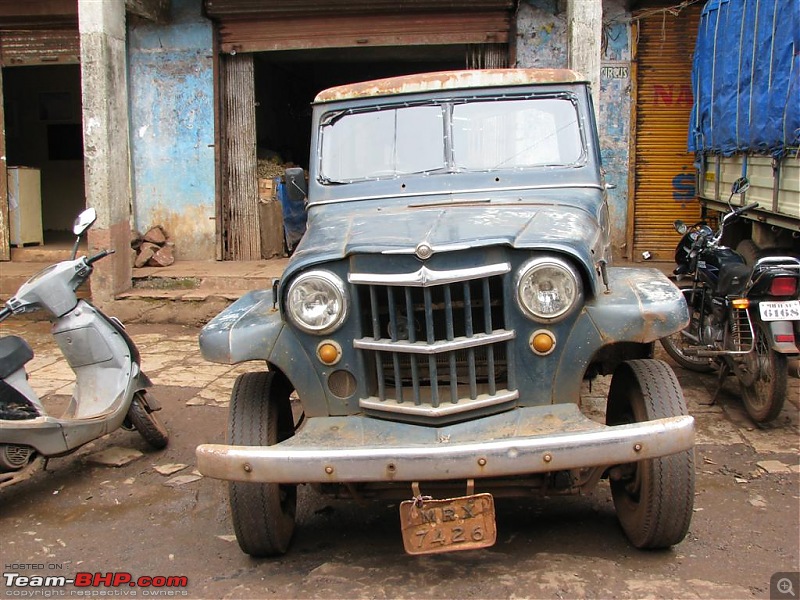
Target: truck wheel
[653,497]
[260,415]
[762,377]
[146,423]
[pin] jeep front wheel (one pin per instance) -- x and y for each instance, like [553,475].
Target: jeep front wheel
[654,497]
[260,414]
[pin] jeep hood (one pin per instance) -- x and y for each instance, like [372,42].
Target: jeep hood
[335,232]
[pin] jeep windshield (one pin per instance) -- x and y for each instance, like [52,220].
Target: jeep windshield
[448,136]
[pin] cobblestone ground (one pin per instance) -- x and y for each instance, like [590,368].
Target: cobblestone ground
[156,516]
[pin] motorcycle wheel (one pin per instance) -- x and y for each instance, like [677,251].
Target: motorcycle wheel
[654,497]
[763,380]
[260,414]
[146,423]
[676,345]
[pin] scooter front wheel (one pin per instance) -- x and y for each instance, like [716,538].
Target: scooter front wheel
[147,423]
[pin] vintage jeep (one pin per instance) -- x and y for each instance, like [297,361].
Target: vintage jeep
[452,293]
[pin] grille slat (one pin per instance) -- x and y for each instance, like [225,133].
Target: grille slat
[448,313]
[460,325]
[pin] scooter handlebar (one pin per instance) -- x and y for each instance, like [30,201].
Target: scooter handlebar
[4,313]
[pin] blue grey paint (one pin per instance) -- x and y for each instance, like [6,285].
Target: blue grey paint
[172,128]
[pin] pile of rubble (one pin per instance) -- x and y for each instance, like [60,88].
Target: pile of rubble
[153,249]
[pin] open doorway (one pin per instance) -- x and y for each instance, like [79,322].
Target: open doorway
[285,84]
[44,150]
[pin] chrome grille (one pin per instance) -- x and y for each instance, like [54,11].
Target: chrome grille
[435,342]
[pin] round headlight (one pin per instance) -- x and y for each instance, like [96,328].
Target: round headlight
[548,288]
[317,302]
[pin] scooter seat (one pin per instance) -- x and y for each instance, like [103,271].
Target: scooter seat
[14,353]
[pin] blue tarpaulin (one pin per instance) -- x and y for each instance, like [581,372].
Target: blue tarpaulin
[746,77]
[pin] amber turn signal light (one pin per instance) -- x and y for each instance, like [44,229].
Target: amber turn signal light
[329,352]
[740,303]
[542,342]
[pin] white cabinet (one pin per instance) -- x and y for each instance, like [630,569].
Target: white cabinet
[25,206]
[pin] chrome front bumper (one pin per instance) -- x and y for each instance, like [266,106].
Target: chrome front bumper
[528,440]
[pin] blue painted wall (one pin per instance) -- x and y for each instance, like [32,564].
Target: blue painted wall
[172,128]
[542,42]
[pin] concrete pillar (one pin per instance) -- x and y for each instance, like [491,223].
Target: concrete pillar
[584,42]
[106,141]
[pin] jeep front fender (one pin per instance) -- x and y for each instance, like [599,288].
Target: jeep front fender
[642,305]
[252,329]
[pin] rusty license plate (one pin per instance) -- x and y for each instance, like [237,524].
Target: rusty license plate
[464,523]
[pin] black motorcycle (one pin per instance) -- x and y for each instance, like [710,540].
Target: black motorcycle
[741,316]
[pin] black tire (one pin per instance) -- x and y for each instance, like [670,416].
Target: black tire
[763,379]
[749,251]
[260,414]
[654,499]
[147,423]
[676,343]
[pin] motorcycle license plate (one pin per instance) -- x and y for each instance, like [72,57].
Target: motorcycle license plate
[432,526]
[787,310]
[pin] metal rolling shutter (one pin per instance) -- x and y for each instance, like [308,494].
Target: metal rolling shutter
[664,186]
[39,46]
[264,25]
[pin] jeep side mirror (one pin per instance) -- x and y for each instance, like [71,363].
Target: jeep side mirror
[296,187]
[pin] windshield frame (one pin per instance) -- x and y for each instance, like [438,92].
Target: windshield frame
[331,116]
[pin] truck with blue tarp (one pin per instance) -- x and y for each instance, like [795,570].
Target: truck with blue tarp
[746,118]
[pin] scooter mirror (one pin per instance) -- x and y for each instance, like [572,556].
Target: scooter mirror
[84,220]
[680,226]
[740,186]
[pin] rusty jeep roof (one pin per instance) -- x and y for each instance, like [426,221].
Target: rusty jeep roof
[448,80]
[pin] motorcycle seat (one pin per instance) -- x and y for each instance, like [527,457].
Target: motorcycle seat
[733,278]
[14,353]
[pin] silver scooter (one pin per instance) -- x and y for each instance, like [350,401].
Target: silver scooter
[110,388]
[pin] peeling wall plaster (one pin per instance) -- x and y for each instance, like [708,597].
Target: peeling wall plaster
[172,125]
